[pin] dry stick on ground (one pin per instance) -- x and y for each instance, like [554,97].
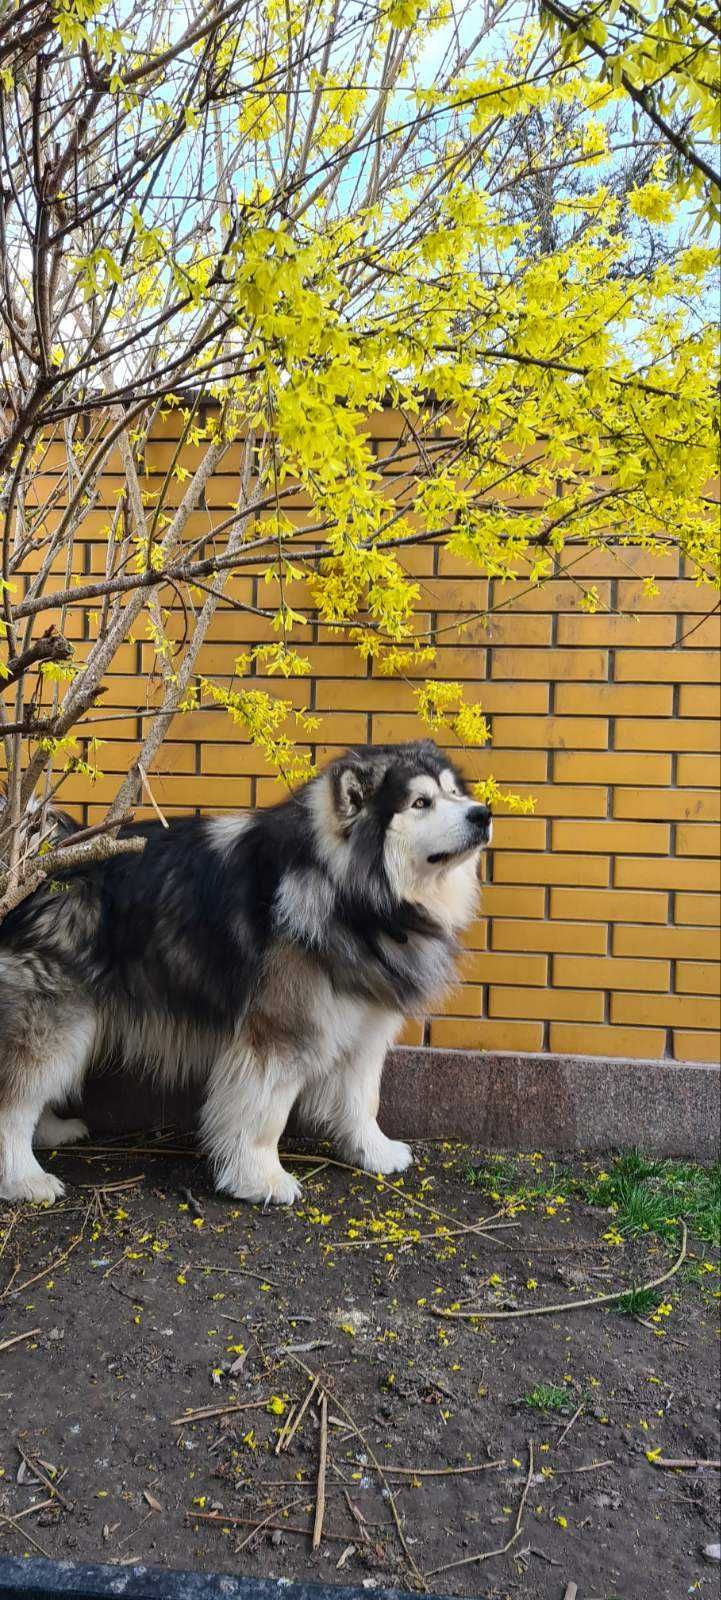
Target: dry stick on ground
[569,1425]
[568,1305]
[322,1468]
[571,1591]
[40,1505]
[11,1522]
[58,1262]
[376,1463]
[485,1555]
[288,1432]
[687,1463]
[444,1472]
[6,1343]
[37,1472]
[266,1522]
[216,1411]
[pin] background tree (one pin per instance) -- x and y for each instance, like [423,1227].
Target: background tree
[274,218]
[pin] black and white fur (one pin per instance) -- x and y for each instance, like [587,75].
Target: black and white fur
[273,956]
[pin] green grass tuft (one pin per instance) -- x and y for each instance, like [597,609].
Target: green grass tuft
[547,1397]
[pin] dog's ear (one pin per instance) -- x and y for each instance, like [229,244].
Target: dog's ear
[354,785]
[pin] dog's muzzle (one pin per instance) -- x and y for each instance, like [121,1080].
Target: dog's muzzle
[479,823]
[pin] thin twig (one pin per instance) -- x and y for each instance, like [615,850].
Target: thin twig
[444,1472]
[376,1463]
[569,1425]
[11,1522]
[288,1433]
[257,1526]
[6,1343]
[322,1468]
[37,1472]
[217,1411]
[485,1555]
[58,1262]
[568,1305]
[687,1463]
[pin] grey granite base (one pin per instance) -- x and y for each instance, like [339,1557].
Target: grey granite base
[502,1101]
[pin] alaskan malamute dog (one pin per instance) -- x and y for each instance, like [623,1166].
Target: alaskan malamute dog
[272,956]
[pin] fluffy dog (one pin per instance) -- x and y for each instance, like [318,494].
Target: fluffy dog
[272,956]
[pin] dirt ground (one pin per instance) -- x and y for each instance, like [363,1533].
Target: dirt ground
[144,1296]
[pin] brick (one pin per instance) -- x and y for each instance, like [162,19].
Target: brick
[521,867]
[610,972]
[588,938]
[698,910]
[412,1033]
[573,1005]
[697,771]
[615,700]
[516,629]
[698,977]
[682,595]
[588,666]
[499,901]
[637,872]
[700,635]
[548,733]
[689,1045]
[464,1000]
[639,1044]
[475,937]
[667,666]
[519,833]
[699,700]
[453,1033]
[557,800]
[454,594]
[666,1010]
[610,766]
[610,905]
[615,630]
[605,560]
[491,967]
[630,939]
[611,837]
[674,805]
[550,595]
[689,733]
[697,838]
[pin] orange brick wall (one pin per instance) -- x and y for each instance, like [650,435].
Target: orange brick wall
[600,932]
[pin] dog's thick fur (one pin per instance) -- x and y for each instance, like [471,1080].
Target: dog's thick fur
[273,956]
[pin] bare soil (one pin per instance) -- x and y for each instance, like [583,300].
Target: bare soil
[159,1297]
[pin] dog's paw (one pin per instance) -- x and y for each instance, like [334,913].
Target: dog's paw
[285,1189]
[386,1155]
[275,1188]
[41,1188]
[52,1131]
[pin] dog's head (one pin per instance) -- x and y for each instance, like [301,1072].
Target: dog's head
[404,809]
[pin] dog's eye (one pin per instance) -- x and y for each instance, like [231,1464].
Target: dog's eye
[422,803]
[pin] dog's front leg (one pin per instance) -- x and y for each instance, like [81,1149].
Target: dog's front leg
[245,1112]
[347,1101]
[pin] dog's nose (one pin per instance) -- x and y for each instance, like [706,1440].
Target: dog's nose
[480,818]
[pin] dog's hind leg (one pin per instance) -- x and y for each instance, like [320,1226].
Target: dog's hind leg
[346,1102]
[245,1112]
[43,1053]
[52,1131]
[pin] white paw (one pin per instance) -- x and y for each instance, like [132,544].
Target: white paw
[276,1188]
[386,1155]
[39,1187]
[51,1133]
